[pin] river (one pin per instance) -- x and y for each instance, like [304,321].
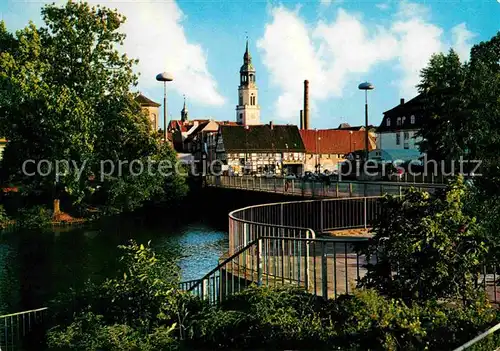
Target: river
[35,266]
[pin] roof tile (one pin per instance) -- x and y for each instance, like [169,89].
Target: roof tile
[334,141]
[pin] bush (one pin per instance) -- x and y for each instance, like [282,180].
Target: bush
[426,247]
[4,219]
[141,309]
[36,217]
[288,318]
[136,310]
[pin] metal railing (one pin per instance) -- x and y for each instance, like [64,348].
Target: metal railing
[14,327]
[324,267]
[278,243]
[306,188]
[479,338]
[300,219]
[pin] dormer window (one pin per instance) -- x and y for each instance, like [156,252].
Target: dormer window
[412,119]
[388,122]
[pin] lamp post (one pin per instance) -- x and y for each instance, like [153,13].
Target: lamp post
[282,158]
[366,86]
[164,77]
[317,151]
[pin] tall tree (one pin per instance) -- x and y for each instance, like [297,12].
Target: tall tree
[484,95]
[65,95]
[443,89]
[463,105]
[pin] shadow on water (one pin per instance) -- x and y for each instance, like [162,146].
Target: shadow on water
[35,266]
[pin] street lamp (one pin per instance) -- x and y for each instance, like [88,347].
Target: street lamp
[366,86]
[164,77]
[282,158]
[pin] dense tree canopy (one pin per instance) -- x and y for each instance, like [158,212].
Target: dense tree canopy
[462,102]
[65,95]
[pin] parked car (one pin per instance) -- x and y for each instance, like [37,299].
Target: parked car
[270,175]
[290,176]
[396,175]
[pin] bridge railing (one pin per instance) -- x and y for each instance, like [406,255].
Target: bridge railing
[300,219]
[17,327]
[307,188]
[324,267]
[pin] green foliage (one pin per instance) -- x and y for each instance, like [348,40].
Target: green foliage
[89,332]
[259,318]
[136,310]
[461,101]
[141,309]
[288,318]
[64,95]
[426,247]
[442,86]
[4,219]
[36,217]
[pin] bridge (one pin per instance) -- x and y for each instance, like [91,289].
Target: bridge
[304,243]
[317,189]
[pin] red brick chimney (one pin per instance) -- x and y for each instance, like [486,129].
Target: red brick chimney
[306,104]
[271,125]
[402,101]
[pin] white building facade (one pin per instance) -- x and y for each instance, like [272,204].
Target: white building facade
[400,126]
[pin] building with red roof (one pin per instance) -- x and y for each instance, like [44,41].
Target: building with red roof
[326,148]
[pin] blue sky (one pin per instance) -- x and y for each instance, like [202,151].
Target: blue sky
[334,44]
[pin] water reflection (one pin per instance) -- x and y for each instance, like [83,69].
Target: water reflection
[34,266]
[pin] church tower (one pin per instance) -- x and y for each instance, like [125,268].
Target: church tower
[248,110]
[184,111]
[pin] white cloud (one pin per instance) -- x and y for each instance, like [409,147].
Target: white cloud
[408,9]
[333,55]
[328,55]
[461,38]
[326,3]
[383,6]
[156,36]
[417,42]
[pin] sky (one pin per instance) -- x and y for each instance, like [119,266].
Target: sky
[335,44]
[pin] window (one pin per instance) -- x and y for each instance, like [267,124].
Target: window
[388,122]
[412,119]
[398,121]
[241,117]
[398,139]
[406,135]
[403,120]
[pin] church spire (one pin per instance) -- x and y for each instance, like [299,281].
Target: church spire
[247,61]
[247,110]
[184,111]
